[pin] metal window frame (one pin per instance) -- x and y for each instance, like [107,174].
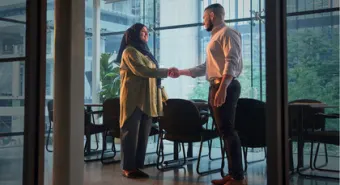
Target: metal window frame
[35,69]
[12,20]
[12,59]
[276,96]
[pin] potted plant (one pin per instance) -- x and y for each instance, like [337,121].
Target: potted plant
[109,78]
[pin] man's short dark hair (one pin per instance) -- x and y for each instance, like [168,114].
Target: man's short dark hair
[216,8]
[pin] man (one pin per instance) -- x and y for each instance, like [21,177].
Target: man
[223,65]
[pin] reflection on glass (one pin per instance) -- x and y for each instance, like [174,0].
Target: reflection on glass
[121,14]
[308,5]
[12,38]
[313,63]
[11,122]
[185,12]
[11,160]
[13,10]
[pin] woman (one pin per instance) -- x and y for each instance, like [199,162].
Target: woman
[140,98]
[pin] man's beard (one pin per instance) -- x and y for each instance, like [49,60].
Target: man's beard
[210,27]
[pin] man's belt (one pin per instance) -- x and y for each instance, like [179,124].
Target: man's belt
[216,81]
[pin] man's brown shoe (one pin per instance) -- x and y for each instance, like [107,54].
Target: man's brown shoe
[222,181]
[237,182]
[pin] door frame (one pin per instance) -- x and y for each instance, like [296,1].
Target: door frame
[276,92]
[35,71]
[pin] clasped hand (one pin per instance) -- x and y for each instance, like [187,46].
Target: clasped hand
[173,72]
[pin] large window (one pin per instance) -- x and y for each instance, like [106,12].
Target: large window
[313,54]
[181,42]
[12,89]
[313,43]
[178,39]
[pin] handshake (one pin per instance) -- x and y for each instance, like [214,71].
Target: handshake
[174,72]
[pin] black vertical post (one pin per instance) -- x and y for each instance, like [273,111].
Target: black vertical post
[276,78]
[35,69]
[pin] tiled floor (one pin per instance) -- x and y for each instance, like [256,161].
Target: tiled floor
[98,174]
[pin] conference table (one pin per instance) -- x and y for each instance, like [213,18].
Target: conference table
[299,108]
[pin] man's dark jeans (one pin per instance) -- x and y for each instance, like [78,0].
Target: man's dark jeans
[224,118]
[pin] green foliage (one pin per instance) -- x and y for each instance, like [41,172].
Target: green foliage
[313,71]
[109,77]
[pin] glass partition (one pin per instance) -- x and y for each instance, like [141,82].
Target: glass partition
[12,90]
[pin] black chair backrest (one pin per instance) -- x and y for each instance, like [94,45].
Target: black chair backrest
[201,101]
[111,113]
[180,117]
[310,119]
[87,116]
[250,122]
[50,110]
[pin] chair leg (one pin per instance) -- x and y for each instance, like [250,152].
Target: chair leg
[103,148]
[103,159]
[48,138]
[245,153]
[311,166]
[326,153]
[311,157]
[86,145]
[157,147]
[160,152]
[184,155]
[113,146]
[199,162]
[86,154]
[300,172]
[316,156]
[291,159]
[259,160]
[97,142]
[210,147]
[160,158]
[156,152]
[326,158]
[96,136]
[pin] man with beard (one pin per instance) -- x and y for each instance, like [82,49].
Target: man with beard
[223,65]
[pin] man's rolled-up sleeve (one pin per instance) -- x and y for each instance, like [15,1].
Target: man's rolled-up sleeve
[198,71]
[231,49]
